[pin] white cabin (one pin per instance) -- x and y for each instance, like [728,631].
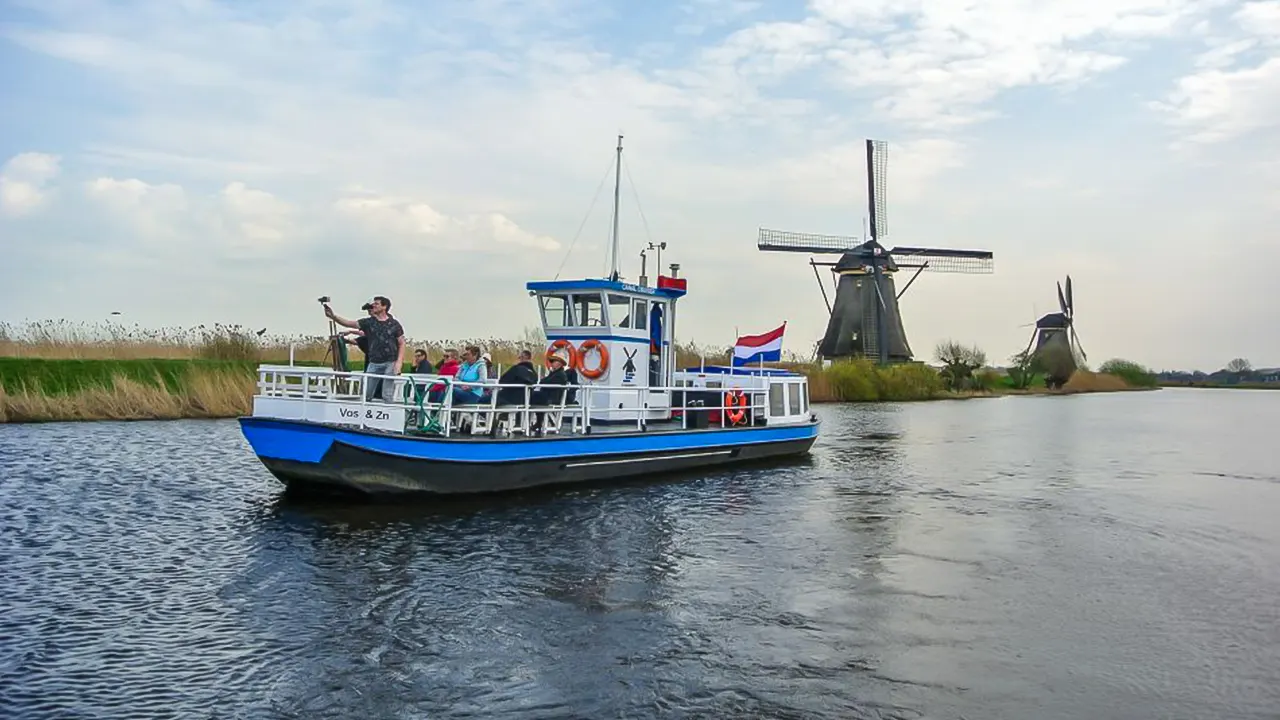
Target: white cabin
[633,324]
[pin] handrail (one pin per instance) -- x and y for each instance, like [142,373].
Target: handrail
[322,385]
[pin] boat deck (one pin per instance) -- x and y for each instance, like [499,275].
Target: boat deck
[597,428]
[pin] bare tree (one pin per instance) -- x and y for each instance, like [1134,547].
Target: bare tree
[1240,366]
[959,362]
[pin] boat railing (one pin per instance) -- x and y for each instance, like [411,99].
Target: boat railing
[426,402]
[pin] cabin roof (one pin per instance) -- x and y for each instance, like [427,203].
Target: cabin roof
[741,370]
[601,284]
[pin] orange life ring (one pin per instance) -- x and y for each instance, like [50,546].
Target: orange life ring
[587,347]
[562,345]
[735,399]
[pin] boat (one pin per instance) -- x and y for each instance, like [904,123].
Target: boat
[628,412]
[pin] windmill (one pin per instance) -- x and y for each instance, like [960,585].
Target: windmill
[1056,343]
[864,319]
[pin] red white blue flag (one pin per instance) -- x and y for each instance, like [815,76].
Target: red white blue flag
[766,347]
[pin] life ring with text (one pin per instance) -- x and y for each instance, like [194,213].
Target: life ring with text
[735,399]
[563,345]
[586,347]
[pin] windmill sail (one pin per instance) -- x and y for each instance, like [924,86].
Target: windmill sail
[864,318]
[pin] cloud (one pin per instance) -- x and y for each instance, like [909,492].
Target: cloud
[261,217]
[209,136]
[23,182]
[935,66]
[418,222]
[1230,96]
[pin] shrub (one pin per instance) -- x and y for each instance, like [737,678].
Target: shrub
[1129,371]
[861,380]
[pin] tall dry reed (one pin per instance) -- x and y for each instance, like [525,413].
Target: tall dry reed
[202,393]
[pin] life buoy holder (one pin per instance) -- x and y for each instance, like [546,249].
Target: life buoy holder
[586,347]
[558,345]
[735,399]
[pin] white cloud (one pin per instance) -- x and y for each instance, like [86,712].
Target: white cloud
[935,65]
[1228,97]
[416,221]
[23,182]
[260,216]
[485,126]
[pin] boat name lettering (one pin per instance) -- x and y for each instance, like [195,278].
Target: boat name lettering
[370,414]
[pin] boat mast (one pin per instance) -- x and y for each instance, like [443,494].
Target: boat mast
[617,189]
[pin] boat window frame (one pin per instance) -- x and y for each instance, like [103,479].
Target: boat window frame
[577,296]
[777,400]
[566,312]
[793,398]
[640,314]
[613,300]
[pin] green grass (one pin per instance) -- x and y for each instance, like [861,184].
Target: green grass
[65,377]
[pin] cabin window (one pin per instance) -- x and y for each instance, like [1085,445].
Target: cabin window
[588,309]
[793,398]
[640,315]
[556,311]
[776,407]
[620,311]
[804,398]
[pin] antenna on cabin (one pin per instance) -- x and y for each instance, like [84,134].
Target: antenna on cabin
[617,190]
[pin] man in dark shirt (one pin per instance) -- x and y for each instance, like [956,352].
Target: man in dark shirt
[521,373]
[386,346]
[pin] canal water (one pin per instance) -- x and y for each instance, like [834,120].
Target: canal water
[1102,556]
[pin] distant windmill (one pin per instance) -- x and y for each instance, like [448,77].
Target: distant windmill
[864,319]
[1056,343]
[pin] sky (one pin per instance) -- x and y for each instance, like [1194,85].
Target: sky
[199,161]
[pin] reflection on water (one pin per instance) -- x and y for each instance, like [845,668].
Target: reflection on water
[1103,556]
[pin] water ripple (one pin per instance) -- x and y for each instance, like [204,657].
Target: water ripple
[1019,557]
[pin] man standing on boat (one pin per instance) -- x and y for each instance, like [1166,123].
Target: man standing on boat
[385,337]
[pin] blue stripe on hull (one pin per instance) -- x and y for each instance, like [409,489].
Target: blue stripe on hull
[304,442]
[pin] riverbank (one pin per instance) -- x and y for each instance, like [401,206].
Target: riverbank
[49,390]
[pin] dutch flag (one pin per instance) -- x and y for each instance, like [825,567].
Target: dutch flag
[766,347]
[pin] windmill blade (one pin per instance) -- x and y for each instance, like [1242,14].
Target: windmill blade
[783,241]
[1062,301]
[877,187]
[879,295]
[1071,303]
[1076,339]
[945,260]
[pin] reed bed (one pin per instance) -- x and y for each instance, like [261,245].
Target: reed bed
[38,390]
[65,340]
[57,370]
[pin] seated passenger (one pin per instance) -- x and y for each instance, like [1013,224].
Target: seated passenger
[421,365]
[471,377]
[547,393]
[521,373]
[448,366]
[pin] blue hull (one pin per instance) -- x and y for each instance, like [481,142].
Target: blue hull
[322,458]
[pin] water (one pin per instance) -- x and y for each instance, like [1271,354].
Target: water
[1106,556]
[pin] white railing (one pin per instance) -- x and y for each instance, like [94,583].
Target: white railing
[426,402]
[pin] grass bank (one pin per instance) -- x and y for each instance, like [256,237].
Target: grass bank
[43,390]
[55,370]
[38,390]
